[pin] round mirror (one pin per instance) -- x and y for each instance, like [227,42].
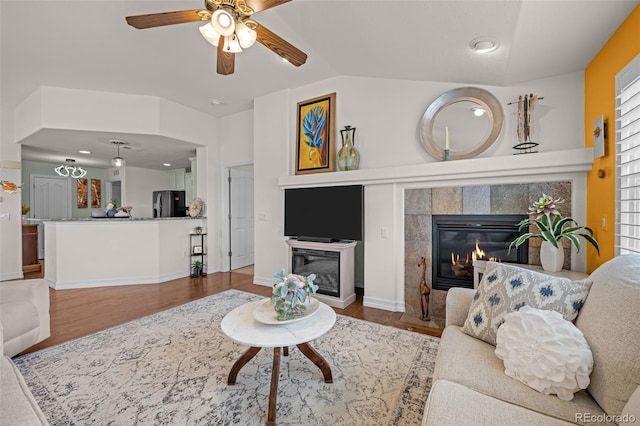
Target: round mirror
[473,118]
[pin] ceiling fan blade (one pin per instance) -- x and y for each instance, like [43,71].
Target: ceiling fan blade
[280,46]
[167,18]
[259,5]
[226,60]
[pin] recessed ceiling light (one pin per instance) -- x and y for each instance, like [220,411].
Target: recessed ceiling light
[484,45]
[83,151]
[216,102]
[166,164]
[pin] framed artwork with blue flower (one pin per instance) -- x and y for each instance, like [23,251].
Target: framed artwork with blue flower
[315,132]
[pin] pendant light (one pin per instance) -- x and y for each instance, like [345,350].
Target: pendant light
[118,161]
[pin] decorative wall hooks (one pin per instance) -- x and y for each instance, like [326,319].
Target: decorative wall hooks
[599,136]
[526,105]
[10,187]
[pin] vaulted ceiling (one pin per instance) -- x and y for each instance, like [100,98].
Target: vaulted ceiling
[88,45]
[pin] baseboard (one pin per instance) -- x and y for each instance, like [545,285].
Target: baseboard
[387,305]
[267,282]
[12,276]
[62,285]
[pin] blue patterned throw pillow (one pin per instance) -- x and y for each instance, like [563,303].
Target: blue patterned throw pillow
[506,288]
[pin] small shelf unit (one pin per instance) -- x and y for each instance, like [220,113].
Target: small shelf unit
[197,252]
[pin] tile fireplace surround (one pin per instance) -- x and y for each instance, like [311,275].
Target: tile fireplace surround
[422,203]
[383,267]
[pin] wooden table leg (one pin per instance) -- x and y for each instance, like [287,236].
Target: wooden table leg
[245,358]
[273,390]
[318,360]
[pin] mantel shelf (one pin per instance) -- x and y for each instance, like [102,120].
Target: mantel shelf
[529,167]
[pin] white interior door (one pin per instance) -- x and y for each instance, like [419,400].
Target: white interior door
[50,197]
[241,217]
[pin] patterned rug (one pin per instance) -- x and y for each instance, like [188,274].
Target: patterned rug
[171,368]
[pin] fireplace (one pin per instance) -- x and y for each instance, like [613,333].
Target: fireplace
[324,263]
[458,240]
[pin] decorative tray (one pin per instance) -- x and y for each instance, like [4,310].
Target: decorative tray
[265,313]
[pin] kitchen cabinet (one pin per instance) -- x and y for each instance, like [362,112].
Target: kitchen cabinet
[176,179]
[30,256]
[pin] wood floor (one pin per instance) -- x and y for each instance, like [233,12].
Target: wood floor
[80,312]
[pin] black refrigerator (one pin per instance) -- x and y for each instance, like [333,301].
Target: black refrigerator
[169,204]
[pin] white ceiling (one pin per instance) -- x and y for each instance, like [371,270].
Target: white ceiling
[88,45]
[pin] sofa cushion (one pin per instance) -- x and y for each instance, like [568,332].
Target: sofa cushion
[506,288]
[446,398]
[472,363]
[18,318]
[545,352]
[610,322]
[17,405]
[21,329]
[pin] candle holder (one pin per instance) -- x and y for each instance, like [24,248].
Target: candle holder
[446,155]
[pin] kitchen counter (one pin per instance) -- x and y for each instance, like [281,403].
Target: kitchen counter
[96,252]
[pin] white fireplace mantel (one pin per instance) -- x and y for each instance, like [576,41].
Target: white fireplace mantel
[513,167]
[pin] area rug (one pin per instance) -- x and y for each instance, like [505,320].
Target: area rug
[171,368]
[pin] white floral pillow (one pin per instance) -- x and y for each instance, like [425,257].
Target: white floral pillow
[545,352]
[506,288]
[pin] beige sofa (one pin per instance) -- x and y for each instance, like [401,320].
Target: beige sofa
[470,386]
[24,321]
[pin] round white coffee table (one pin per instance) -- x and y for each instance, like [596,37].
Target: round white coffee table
[241,327]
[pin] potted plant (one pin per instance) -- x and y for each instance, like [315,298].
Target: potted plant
[25,211]
[198,229]
[197,269]
[552,228]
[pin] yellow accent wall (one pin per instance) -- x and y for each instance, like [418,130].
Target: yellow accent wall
[599,97]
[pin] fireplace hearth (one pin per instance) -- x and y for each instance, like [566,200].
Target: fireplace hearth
[458,240]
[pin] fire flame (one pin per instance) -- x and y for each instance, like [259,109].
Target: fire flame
[477,254]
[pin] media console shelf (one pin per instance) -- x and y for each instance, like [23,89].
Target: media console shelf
[333,264]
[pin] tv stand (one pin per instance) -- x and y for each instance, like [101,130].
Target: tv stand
[345,274]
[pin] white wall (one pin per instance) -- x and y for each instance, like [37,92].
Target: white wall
[236,149]
[386,114]
[236,139]
[272,141]
[10,204]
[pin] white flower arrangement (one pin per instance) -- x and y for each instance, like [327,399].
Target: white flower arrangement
[291,293]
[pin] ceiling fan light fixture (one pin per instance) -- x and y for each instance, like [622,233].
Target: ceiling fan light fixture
[231,44]
[246,36]
[223,22]
[210,34]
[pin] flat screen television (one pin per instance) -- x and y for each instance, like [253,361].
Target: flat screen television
[325,214]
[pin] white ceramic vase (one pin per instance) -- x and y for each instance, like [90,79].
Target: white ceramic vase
[552,258]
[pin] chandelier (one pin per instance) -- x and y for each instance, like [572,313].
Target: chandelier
[118,161]
[230,25]
[70,170]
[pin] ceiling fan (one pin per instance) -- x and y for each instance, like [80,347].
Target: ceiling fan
[229,28]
